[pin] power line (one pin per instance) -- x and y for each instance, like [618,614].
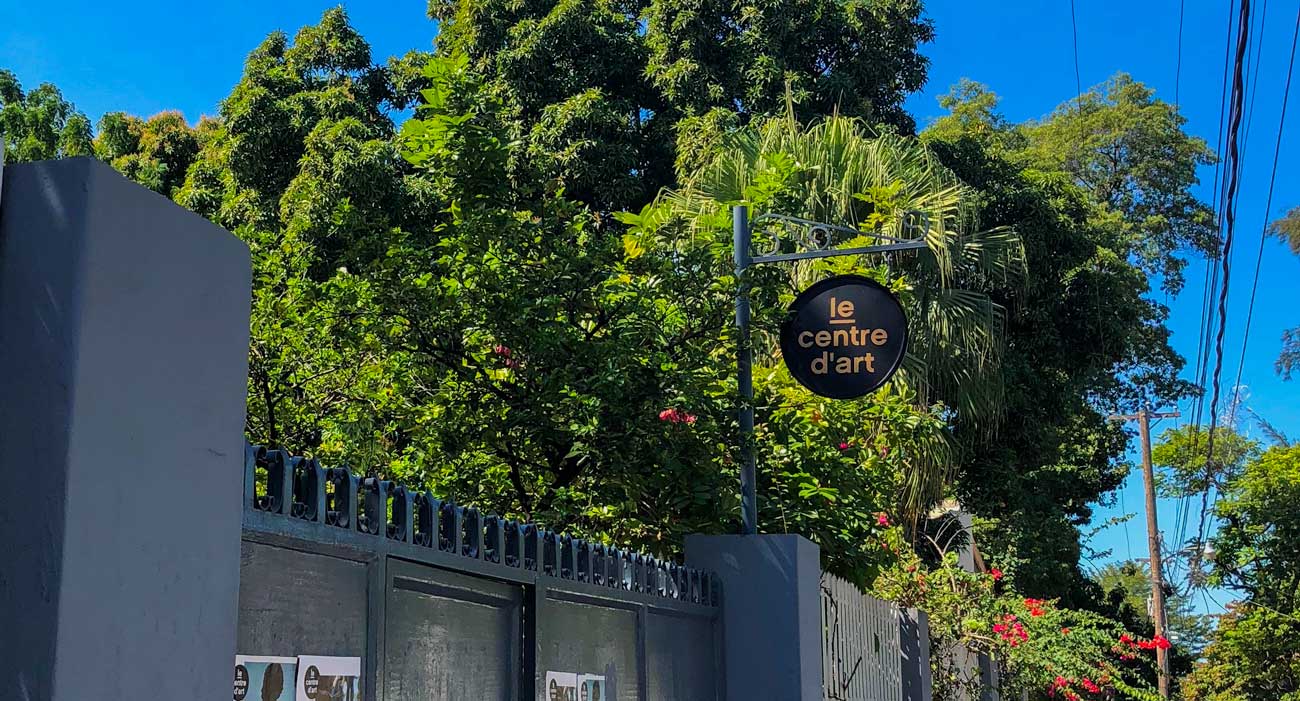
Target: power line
[1233,170]
[1230,215]
[1074,28]
[1268,204]
[1178,68]
[1253,58]
[1211,270]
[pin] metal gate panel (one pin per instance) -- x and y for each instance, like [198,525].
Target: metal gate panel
[450,636]
[589,636]
[293,602]
[681,658]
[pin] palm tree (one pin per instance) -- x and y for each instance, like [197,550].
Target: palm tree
[837,171]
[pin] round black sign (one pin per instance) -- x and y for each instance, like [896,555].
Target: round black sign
[241,682]
[844,336]
[311,682]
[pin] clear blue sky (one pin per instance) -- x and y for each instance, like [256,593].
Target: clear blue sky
[146,56]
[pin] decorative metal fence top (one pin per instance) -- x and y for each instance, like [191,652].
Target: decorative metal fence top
[302,491]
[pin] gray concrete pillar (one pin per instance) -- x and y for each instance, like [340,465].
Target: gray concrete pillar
[771,612]
[123,362]
[914,638]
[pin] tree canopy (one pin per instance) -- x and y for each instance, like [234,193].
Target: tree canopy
[1254,651]
[40,124]
[1084,337]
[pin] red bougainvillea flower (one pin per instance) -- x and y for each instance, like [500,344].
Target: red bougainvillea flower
[844,446]
[999,628]
[677,416]
[882,519]
[995,573]
[1161,642]
[1061,681]
[1065,631]
[1090,686]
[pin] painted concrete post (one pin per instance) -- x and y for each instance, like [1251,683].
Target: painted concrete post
[914,636]
[771,611]
[123,362]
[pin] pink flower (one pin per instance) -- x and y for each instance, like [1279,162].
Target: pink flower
[1060,681]
[999,628]
[844,446]
[882,519]
[995,573]
[676,416]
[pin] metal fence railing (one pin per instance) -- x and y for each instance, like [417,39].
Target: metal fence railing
[861,646]
[313,500]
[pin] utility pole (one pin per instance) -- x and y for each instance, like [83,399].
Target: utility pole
[1143,418]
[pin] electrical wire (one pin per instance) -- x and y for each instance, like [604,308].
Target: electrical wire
[1232,177]
[1229,209]
[1178,66]
[1074,29]
[1268,204]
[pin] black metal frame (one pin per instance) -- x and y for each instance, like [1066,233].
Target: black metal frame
[818,238]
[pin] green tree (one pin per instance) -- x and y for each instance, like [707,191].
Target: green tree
[1130,151]
[570,78]
[1083,336]
[301,163]
[597,90]
[1255,652]
[40,125]
[1182,456]
[155,152]
[1288,229]
[1188,630]
[857,59]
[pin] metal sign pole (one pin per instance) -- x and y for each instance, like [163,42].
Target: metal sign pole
[819,238]
[744,369]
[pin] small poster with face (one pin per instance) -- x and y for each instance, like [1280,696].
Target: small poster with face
[561,686]
[329,678]
[265,678]
[591,688]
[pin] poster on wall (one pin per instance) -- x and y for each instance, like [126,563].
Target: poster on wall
[561,686]
[591,688]
[265,678]
[329,678]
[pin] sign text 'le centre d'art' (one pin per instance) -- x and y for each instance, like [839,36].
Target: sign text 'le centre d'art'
[844,336]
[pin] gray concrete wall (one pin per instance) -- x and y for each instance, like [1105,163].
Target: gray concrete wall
[123,362]
[771,610]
